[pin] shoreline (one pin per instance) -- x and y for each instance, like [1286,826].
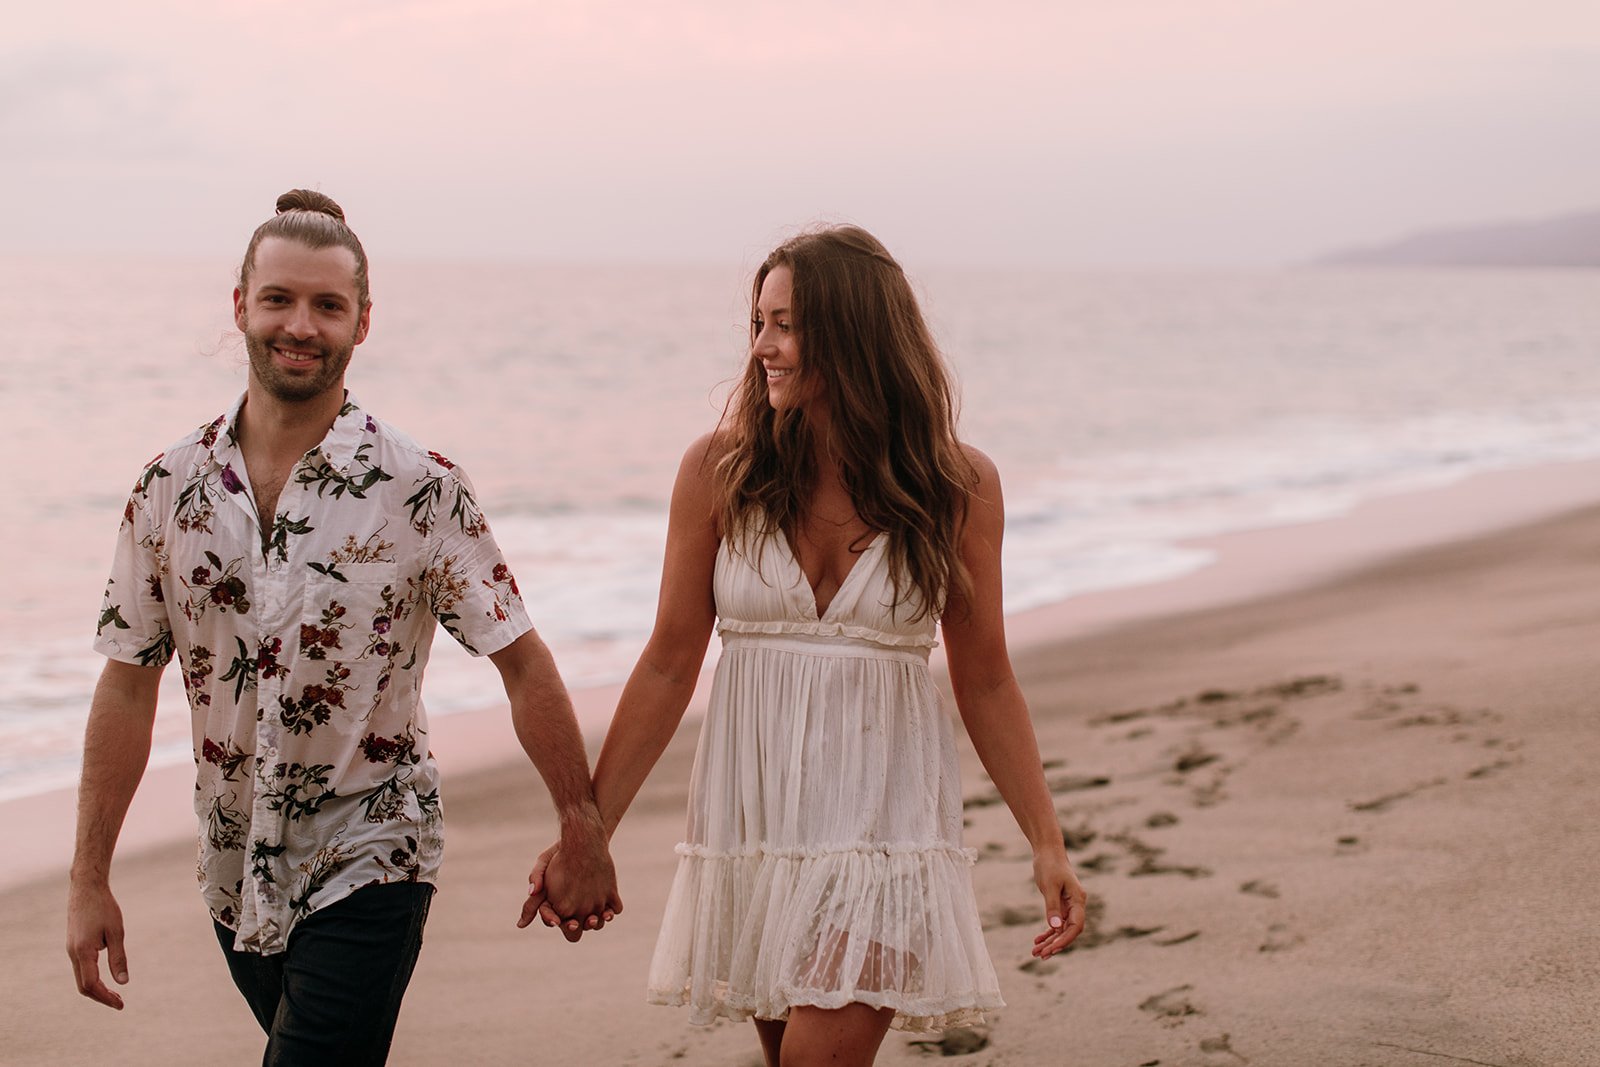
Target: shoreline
[1247,565]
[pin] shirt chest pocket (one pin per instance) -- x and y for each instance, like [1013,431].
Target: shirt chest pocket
[349,610]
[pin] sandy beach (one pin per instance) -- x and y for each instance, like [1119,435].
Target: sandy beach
[1349,821]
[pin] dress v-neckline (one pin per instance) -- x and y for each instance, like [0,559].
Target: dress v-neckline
[808,592]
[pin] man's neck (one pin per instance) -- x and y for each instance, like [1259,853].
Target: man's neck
[283,431]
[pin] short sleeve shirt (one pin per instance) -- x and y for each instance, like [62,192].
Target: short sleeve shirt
[303,652]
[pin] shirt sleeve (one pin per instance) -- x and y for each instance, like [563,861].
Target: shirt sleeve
[133,626]
[472,591]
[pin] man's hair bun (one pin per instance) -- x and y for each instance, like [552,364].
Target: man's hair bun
[310,200]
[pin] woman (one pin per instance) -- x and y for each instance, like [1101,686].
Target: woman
[824,528]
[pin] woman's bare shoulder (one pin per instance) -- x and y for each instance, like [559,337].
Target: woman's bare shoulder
[986,476]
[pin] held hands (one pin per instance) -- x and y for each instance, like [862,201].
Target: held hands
[94,921]
[1065,903]
[573,886]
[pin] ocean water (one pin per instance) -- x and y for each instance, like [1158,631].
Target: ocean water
[1127,412]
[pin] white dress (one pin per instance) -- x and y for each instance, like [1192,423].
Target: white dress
[823,864]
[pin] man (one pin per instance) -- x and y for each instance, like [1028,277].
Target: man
[294,555]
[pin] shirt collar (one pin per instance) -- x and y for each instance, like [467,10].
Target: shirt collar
[346,434]
[339,447]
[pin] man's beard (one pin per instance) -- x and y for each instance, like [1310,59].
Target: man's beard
[329,372]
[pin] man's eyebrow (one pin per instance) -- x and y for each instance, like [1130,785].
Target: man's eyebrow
[334,293]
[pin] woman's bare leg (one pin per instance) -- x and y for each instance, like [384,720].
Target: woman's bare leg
[771,1033]
[825,1037]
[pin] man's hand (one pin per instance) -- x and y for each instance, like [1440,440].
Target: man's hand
[580,883]
[573,886]
[94,921]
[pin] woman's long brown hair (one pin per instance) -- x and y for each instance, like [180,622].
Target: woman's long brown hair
[865,346]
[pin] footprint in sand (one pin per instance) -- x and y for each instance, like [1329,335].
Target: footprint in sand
[1349,845]
[1096,934]
[1280,939]
[1388,800]
[1056,783]
[1099,863]
[1219,1050]
[1211,793]
[1009,916]
[1194,757]
[1148,860]
[1181,939]
[960,1041]
[1079,837]
[1491,768]
[1171,1007]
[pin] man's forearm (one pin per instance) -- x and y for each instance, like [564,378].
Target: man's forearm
[547,727]
[116,748]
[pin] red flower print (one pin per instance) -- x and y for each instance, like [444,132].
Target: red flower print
[382,749]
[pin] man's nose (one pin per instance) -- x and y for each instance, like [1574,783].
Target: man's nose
[301,324]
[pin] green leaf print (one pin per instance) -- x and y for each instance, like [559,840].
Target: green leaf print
[261,857]
[305,789]
[242,672]
[112,614]
[331,482]
[282,528]
[158,652]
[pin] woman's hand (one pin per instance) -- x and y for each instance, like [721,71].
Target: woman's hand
[1065,903]
[537,903]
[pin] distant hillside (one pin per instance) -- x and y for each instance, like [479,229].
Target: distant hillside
[1568,241]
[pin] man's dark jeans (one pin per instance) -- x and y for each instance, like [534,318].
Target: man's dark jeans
[334,995]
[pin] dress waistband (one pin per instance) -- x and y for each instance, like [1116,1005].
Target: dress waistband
[825,645]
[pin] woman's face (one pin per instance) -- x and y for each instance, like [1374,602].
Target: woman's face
[775,343]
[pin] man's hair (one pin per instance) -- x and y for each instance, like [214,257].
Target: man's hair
[865,345]
[316,221]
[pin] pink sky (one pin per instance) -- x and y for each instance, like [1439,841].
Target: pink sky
[1143,133]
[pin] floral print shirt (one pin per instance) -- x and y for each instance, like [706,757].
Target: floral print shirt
[302,654]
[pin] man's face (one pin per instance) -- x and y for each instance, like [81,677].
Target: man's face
[301,319]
